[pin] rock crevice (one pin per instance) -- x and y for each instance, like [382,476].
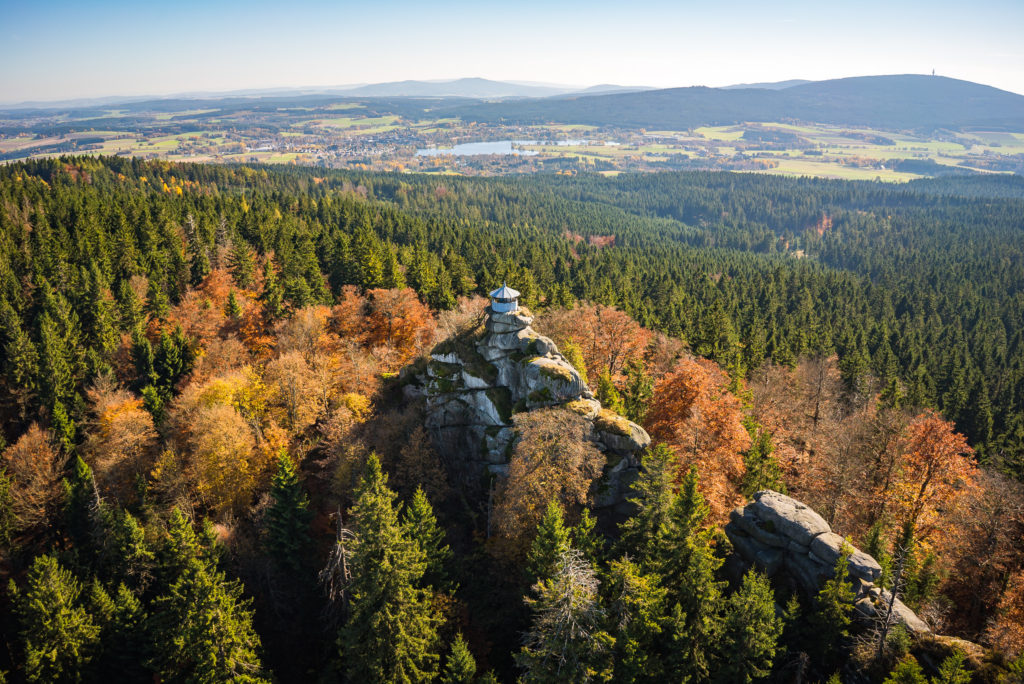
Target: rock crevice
[477,380]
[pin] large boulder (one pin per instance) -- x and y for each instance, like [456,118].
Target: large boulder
[781,535]
[784,515]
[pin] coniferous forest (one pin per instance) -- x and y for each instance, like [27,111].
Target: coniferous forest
[214,469]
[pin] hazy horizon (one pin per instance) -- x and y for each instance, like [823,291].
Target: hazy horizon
[61,50]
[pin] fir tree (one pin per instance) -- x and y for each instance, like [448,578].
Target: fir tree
[82,509]
[394,275]
[750,632]
[287,520]
[391,632]
[421,526]
[952,670]
[550,543]
[586,538]
[273,294]
[59,635]
[460,667]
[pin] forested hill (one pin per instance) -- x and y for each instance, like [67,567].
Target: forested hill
[221,455]
[890,102]
[918,291]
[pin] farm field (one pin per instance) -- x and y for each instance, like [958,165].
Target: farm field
[386,134]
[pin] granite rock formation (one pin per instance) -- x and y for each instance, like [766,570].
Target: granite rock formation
[790,542]
[477,380]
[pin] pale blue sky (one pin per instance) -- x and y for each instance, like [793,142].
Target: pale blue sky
[59,49]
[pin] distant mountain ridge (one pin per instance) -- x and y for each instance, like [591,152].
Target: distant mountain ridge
[891,102]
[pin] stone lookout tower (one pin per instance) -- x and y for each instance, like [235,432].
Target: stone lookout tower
[504,300]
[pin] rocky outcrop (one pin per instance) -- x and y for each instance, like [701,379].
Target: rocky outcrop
[789,541]
[476,381]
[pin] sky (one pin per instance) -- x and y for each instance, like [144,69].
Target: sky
[66,49]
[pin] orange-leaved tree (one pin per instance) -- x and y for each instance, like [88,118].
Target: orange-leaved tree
[937,468]
[608,338]
[695,414]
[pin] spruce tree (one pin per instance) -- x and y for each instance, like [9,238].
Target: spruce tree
[586,538]
[421,526]
[202,630]
[652,498]
[287,520]
[607,394]
[123,643]
[391,632]
[639,390]
[761,470]
[460,668]
[60,637]
[550,543]
[750,632]
[908,671]
[636,612]
[566,641]
[273,293]
[834,607]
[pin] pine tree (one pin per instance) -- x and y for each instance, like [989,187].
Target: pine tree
[60,637]
[391,633]
[242,264]
[82,509]
[421,526]
[8,521]
[750,632]
[394,275]
[460,667]
[56,373]
[127,558]
[574,355]
[367,259]
[287,520]
[687,564]
[551,542]
[202,630]
[273,294]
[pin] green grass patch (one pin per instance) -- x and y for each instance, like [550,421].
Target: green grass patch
[610,421]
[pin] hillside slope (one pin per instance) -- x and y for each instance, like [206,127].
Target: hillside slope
[892,102]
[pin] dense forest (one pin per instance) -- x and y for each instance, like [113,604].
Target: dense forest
[211,470]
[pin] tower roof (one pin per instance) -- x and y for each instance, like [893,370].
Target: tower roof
[504,292]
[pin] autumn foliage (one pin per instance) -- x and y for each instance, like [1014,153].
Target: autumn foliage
[694,412]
